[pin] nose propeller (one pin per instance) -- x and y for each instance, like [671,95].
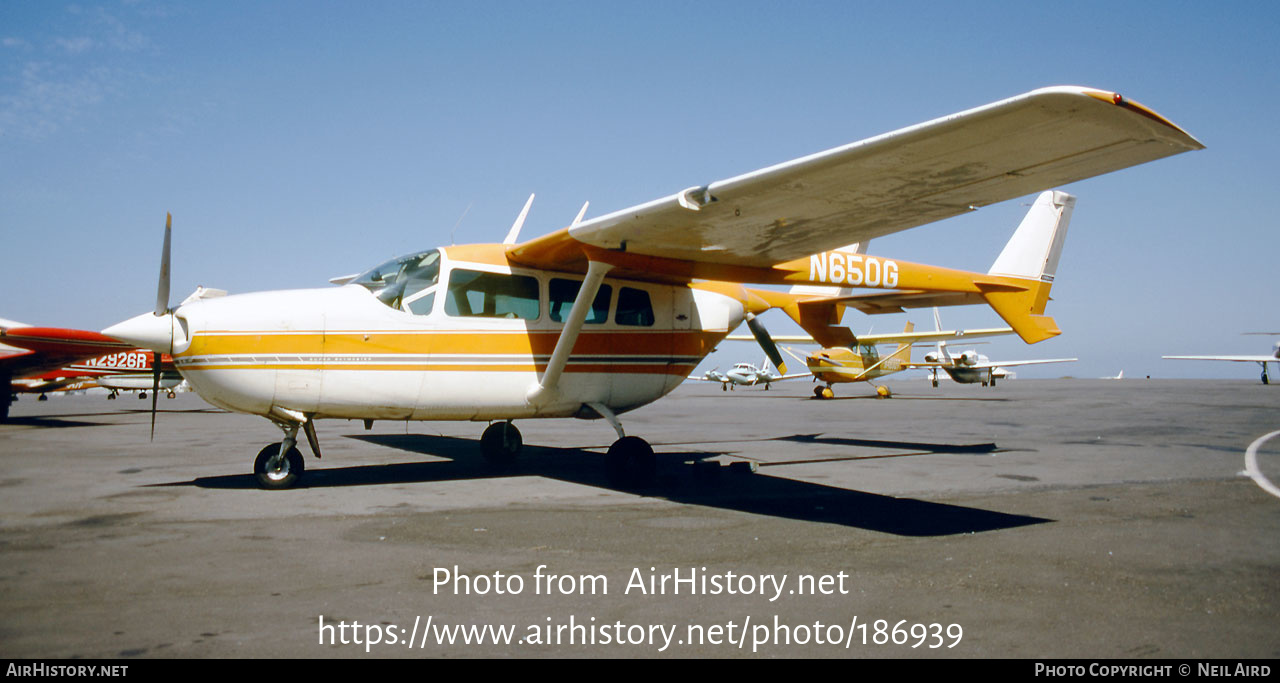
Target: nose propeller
[162,310]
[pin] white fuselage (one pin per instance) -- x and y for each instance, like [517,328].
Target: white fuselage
[343,353]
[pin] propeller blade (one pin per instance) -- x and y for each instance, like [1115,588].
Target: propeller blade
[155,390]
[162,290]
[766,342]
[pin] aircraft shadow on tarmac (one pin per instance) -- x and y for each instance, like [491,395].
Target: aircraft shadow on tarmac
[63,421]
[683,477]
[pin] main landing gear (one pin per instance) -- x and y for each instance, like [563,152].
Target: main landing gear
[501,443]
[630,461]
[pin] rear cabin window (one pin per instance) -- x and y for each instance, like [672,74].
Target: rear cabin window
[634,308]
[562,294]
[475,294]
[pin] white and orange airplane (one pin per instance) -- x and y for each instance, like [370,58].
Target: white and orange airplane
[611,313]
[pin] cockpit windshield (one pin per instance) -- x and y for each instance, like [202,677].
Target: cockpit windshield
[407,283]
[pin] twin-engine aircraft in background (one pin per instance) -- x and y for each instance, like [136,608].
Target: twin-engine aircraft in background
[746,375]
[611,313]
[1260,359]
[971,367]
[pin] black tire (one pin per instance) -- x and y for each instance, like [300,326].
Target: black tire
[287,476]
[501,443]
[632,462]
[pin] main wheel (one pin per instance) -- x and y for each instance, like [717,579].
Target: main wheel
[631,462]
[501,443]
[288,473]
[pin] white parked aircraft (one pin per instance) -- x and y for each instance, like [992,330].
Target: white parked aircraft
[1260,359]
[971,367]
[747,375]
[611,313]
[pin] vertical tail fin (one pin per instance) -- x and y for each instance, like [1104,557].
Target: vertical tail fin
[1031,255]
[903,352]
[942,346]
[1036,245]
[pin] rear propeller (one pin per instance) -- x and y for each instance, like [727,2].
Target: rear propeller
[766,342]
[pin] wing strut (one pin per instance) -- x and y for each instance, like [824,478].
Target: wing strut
[569,335]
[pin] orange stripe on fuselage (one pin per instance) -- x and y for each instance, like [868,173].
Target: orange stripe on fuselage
[677,369]
[612,342]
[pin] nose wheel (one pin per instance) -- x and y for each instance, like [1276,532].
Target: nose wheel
[276,472]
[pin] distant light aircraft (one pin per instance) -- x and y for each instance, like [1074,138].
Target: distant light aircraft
[747,375]
[1260,359]
[971,367]
[862,362]
[498,332]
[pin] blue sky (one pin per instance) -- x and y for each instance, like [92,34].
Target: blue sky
[297,141]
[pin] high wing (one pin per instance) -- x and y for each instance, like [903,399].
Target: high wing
[894,337]
[878,186]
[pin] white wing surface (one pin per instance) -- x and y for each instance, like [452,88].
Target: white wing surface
[891,182]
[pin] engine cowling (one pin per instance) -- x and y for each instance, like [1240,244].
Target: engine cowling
[969,358]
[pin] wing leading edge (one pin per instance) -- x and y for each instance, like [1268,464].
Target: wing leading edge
[881,185]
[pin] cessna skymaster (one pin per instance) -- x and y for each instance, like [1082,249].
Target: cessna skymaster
[611,313]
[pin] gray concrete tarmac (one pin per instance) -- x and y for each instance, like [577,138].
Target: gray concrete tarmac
[1038,518]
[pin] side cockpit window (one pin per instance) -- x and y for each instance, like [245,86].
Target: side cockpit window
[634,308]
[564,292]
[477,294]
[407,283]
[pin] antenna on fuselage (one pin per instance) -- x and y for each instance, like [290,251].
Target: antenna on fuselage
[457,222]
